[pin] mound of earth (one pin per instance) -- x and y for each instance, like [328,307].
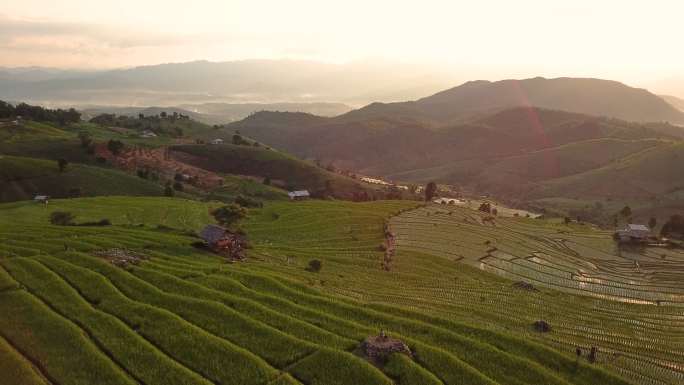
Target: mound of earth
[525,286]
[541,326]
[378,348]
[121,257]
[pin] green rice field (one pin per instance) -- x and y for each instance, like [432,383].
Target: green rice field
[185,316]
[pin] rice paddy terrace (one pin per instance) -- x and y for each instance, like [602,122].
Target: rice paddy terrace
[179,315]
[630,303]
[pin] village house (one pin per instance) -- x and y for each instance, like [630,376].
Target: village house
[222,241]
[217,141]
[633,233]
[148,134]
[299,195]
[41,198]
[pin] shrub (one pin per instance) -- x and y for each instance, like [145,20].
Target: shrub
[168,191]
[62,164]
[229,214]
[62,218]
[178,186]
[315,266]
[247,201]
[101,222]
[115,146]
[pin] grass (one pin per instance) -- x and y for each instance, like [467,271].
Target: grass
[55,344]
[23,178]
[131,351]
[185,316]
[283,169]
[16,369]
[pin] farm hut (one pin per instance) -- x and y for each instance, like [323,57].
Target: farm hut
[148,134]
[222,241]
[633,232]
[217,141]
[41,198]
[299,195]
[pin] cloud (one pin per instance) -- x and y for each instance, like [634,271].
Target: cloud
[27,34]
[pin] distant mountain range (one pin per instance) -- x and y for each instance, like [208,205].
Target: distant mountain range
[514,138]
[588,96]
[220,113]
[674,101]
[248,81]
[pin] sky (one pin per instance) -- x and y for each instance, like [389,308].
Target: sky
[639,42]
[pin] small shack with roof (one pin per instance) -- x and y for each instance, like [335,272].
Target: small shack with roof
[222,241]
[41,198]
[633,233]
[299,195]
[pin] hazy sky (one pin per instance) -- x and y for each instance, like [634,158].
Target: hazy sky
[639,42]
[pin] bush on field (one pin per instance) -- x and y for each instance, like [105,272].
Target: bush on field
[315,266]
[101,222]
[62,218]
[248,202]
[227,215]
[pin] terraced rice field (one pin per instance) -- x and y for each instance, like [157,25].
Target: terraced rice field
[631,304]
[184,316]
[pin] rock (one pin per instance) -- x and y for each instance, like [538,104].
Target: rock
[121,257]
[541,326]
[524,286]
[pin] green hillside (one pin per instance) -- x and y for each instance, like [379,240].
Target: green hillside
[642,175]
[183,316]
[23,178]
[283,170]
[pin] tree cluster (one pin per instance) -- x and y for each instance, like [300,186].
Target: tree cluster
[674,226]
[39,114]
[162,124]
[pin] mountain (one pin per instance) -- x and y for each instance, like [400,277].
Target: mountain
[674,101]
[246,81]
[386,146]
[519,154]
[220,113]
[582,95]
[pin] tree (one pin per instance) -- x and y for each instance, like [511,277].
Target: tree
[626,212]
[61,218]
[115,146]
[163,114]
[85,138]
[178,186]
[674,225]
[652,223]
[430,191]
[329,190]
[267,181]
[315,266]
[247,201]
[227,215]
[168,190]
[486,207]
[237,139]
[62,164]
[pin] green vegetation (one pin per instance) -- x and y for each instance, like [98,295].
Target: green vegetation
[40,114]
[282,170]
[23,178]
[184,316]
